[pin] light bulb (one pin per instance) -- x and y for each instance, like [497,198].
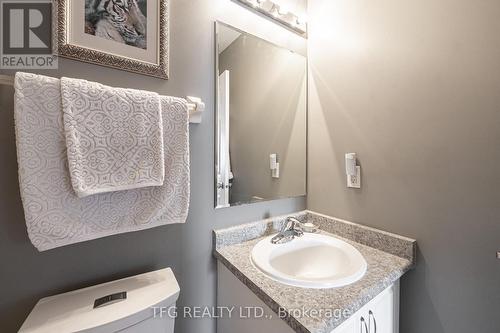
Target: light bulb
[275,10]
[283,10]
[302,19]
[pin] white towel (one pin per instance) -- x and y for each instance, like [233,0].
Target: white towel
[55,216]
[114,137]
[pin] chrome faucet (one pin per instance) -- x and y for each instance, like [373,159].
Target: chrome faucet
[289,230]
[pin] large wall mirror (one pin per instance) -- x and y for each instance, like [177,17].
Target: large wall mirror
[260,119]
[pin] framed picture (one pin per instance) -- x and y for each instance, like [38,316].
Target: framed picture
[131,35]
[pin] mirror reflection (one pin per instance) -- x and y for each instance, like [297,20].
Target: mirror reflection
[260,120]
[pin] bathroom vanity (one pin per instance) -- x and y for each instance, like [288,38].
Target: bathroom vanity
[264,300]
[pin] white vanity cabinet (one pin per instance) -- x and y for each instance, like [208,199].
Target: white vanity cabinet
[380,315]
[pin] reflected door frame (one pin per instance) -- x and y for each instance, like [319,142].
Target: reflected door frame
[222,154]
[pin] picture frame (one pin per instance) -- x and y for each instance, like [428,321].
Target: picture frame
[141,48]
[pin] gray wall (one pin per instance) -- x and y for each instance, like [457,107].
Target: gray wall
[27,275]
[414,88]
[267,116]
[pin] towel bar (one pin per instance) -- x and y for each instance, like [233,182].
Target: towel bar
[195,104]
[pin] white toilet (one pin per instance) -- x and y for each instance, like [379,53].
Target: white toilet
[136,304]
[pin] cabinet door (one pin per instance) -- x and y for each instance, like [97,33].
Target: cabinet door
[356,324]
[348,326]
[382,314]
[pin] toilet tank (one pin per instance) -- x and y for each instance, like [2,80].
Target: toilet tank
[139,304]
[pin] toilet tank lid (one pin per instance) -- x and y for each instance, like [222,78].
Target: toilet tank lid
[74,311]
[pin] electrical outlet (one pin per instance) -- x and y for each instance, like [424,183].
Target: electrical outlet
[273,159]
[355,181]
[275,173]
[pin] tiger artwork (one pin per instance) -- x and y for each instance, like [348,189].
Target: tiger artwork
[123,21]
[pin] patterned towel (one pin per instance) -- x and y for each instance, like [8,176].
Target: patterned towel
[55,216]
[114,137]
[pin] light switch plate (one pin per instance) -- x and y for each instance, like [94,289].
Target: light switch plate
[355,181]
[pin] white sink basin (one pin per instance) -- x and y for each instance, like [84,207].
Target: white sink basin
[310,261]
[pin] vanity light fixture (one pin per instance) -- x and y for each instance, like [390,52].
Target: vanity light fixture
[278,13]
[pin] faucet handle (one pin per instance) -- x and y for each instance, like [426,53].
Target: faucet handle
[289,224]
[299,232]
